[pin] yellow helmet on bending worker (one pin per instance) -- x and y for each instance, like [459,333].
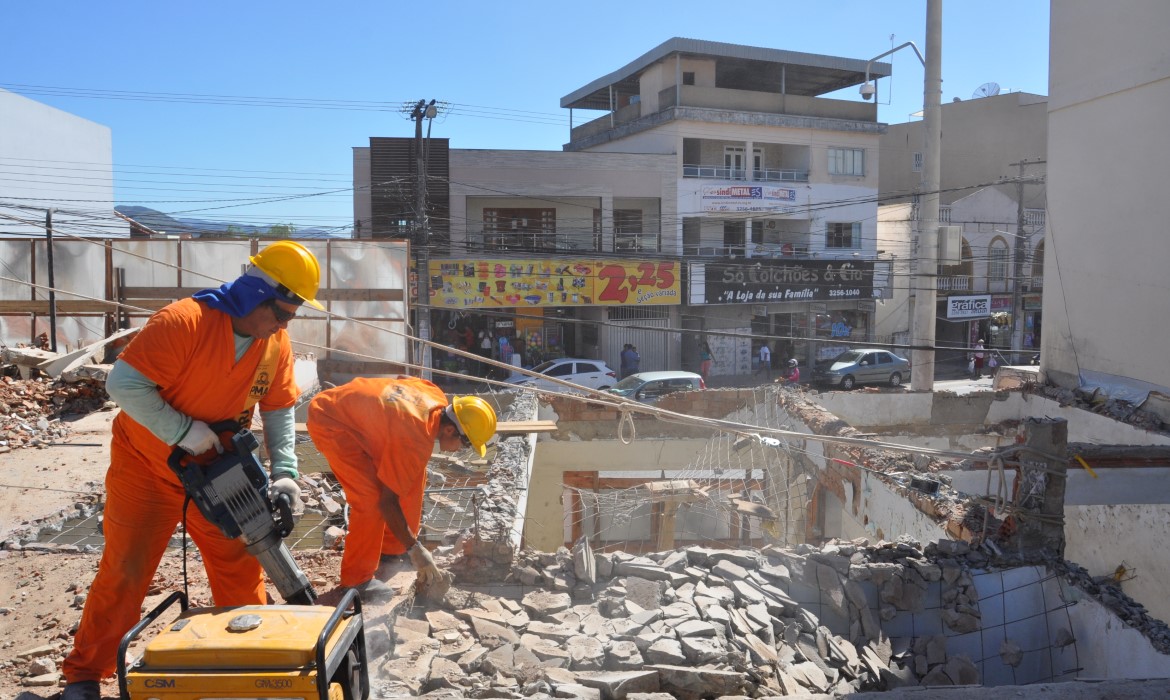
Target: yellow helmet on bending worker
[476,419]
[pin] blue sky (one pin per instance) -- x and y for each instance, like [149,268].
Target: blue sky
[502,66]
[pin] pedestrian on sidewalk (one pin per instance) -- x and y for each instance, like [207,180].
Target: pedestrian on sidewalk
[765,361]
[706,359]
[977,371]
[628,361]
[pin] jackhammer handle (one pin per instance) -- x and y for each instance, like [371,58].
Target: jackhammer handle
[225,429]
[284,506]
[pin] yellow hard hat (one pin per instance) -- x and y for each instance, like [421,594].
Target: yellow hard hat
[477,420]
[294,268]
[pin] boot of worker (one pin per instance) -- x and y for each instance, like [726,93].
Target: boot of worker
[82,690]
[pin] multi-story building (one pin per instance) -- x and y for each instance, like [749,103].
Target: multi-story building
[993,155]
[776,188]
[721,198]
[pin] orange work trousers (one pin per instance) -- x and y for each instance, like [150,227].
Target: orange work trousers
[143,507]
[368,538]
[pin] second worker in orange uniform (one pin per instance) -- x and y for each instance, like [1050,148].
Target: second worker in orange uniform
[378,435]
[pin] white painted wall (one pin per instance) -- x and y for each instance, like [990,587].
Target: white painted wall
[1103,537]
[878,408]
[35,139]
[1106,284]
[544,516]
[1083,426]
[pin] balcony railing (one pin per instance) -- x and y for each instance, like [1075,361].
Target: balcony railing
[954,284]
[766,175]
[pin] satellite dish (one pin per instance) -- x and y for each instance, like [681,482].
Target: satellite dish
[985,90]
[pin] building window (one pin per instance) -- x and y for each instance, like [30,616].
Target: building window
[627,230]
[846,235]
[997,260]
[847,161]
[916,164]
[688,77]
[520,229]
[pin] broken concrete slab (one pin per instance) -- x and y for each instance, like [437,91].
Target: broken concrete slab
[616,685]
[492,635]
[689,683]
[543,604]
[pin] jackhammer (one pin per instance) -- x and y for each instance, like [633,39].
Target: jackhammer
[232,493]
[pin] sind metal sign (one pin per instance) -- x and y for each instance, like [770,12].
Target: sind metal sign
[969,307]
[769,281]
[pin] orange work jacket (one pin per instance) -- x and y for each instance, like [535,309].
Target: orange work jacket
[188,350]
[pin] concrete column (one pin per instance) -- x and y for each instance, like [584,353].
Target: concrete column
[1039,496]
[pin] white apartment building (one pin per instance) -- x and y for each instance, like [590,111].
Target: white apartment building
[776,187]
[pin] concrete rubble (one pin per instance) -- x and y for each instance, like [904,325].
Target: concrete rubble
[693,623]
[30,409]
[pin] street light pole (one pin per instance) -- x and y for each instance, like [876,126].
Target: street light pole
[926,275]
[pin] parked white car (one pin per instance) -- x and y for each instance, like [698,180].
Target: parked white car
[593,374]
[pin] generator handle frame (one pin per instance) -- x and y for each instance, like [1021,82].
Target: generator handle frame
[124,645]
[352,634]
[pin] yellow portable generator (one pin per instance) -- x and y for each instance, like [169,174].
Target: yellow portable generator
[251,651]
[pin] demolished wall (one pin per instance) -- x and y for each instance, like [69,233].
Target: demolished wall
[702,622]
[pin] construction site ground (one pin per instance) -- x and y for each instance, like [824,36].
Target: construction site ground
[42,592]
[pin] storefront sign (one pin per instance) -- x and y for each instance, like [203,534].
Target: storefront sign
[1033,302]
[748,198]
[1001,304]
[773,281]
[969,307]
[468,284]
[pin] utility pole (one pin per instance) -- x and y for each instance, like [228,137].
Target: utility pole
[1018,264]
[926,276]
[52,281]
[420,240]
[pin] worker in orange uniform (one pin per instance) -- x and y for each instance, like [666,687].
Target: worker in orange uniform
[199,361]
[378,435]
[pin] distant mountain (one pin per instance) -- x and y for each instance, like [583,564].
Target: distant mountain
[164,223]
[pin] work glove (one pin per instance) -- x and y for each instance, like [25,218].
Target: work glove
[428,572]
[284,486]
[200,439]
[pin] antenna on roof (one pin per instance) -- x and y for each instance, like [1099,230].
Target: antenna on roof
[985,90]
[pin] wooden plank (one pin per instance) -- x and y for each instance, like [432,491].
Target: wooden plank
[323,295]
[358,367]
[525,426]
[503,427]
[64,306]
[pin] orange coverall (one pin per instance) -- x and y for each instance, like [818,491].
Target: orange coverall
[377,433]
[187,349]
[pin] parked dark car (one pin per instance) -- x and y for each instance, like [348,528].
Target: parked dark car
[864,366]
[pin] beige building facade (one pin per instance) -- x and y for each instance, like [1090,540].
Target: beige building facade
[1106,264]
[998,139]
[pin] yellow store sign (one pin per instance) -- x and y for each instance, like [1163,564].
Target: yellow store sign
[471,284]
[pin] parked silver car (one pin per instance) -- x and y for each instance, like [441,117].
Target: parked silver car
[648,387]
[864,366]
